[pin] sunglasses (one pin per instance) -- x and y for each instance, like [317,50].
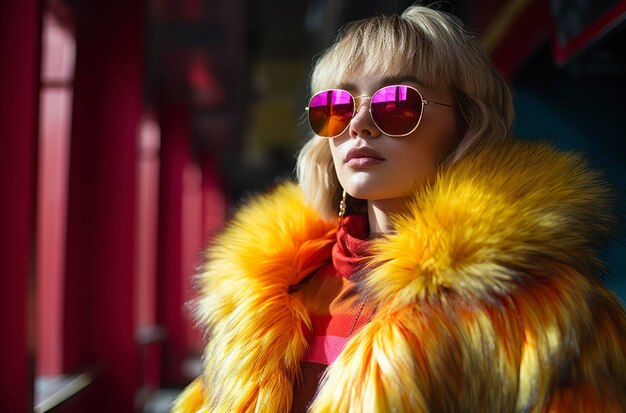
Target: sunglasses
[396,110]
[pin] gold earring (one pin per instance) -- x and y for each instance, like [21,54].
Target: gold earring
[342,205]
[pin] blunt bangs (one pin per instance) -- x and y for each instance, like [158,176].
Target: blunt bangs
[386,45]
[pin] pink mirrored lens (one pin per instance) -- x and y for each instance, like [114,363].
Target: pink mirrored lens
[330,112]
[396,109]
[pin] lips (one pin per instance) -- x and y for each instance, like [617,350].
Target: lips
[363,157]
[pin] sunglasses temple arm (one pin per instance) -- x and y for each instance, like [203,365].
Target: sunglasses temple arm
[426,102]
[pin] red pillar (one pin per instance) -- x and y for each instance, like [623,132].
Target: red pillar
[214,205]
[175,130]
[146,253]
[19,88]
[99,328]
[214,198]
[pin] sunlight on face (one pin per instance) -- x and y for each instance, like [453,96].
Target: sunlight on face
[373,166]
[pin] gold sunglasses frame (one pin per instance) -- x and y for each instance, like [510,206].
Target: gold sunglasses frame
[354,100]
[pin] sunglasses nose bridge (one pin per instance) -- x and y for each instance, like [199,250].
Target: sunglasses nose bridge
[359,101]
[370,125]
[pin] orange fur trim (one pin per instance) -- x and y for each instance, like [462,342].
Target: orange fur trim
[584,398]
[257,329]
[483,305]
[486,295]
[191,400]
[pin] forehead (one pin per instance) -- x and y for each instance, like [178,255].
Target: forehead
[364,84]
[363,71]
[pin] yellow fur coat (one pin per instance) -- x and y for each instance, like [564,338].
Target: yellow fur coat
[487,295]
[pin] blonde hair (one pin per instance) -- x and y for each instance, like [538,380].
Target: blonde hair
[427,44]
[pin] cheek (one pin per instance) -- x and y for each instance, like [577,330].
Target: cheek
[334,150]
[414,164]
[439,137]
[337,153]
[424,151]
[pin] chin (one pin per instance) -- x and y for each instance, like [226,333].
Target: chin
[374,192]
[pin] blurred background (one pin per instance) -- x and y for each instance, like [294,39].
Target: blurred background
[130,129]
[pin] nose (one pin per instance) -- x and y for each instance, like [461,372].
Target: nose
[362,125]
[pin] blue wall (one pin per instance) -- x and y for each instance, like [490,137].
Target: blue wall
[588,114]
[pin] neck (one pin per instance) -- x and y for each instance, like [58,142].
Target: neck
[379,213]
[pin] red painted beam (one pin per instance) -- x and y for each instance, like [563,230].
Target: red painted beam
[99,307]
[519,42]
[613,16]
[20,34]
[175,130]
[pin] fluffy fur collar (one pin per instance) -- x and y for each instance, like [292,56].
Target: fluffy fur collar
[485,292]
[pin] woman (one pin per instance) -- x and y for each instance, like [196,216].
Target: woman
[462,275]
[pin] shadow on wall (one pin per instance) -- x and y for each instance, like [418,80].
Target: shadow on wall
[583,113]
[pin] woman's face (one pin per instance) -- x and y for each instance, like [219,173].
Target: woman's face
[373,166]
